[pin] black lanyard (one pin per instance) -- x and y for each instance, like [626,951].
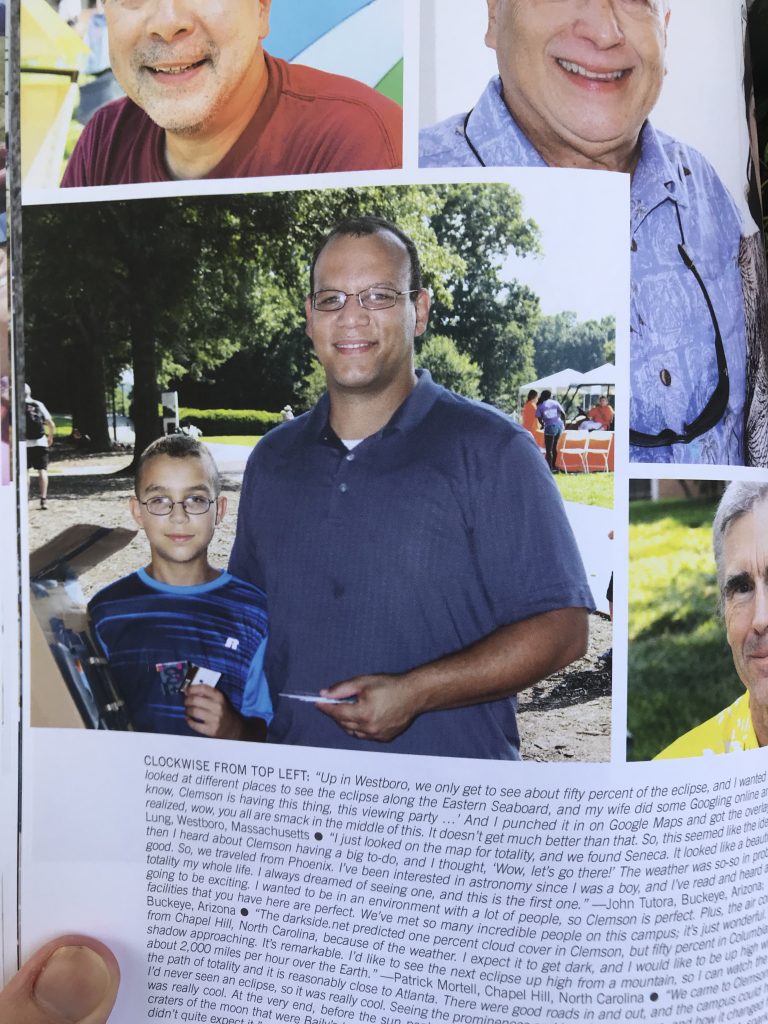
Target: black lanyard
[717,402]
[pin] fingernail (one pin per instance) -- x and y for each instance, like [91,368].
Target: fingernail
[73,983]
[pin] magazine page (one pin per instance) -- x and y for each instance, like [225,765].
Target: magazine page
[9,590]
[407,413]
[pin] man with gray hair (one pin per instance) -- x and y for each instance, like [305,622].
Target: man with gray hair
[577,81]
[740,542]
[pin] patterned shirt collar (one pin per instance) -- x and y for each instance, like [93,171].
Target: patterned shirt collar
[500,142]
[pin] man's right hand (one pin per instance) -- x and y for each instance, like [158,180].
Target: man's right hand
[71,980]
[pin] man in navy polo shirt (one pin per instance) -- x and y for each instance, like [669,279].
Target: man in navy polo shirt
[414,550]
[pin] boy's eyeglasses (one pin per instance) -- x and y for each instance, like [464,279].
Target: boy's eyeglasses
[193,505]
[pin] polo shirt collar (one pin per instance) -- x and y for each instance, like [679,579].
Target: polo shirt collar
[656,178]
[405,418]
[416,406]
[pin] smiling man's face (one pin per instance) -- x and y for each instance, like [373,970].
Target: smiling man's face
[580,76]
[366,351]
[192,65]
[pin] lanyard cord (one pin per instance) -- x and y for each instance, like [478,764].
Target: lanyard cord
[717,403]
[469,141]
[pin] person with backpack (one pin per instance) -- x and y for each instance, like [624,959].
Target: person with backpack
[39,431]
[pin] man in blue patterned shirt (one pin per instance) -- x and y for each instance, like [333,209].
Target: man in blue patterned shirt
[185,641]
[577,80]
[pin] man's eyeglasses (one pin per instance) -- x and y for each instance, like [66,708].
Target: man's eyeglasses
[328,301]
[193,505]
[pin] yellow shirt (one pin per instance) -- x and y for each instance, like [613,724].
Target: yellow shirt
[728,732]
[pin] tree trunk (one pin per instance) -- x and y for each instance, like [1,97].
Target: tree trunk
[147,422]
[89,396]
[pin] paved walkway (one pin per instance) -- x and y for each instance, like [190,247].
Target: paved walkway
[230,458]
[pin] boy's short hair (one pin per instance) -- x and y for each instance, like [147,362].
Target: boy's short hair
[178,446]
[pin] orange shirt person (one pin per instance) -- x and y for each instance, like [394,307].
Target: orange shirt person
[602,413]
[529,413]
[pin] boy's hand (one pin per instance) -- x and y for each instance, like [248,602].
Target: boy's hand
[210,713]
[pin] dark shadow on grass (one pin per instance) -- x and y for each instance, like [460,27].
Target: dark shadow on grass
[690,513]
[575,686]
[676,683]
[682,606]
[75,488]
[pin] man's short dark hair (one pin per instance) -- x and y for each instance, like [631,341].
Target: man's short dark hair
[358,227]
[178,446]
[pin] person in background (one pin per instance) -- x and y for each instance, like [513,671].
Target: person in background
[551,416]
[92,26]
[529,420]
[40,431]
[602,414]
[5,431]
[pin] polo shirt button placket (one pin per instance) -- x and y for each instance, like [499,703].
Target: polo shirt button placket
[340,507]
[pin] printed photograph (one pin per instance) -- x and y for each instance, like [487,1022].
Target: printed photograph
[117,93]
[326,470]
[698,618]
[611,89]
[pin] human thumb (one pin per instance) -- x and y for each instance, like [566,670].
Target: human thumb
[72,980]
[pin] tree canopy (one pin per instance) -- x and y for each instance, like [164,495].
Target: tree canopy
[206,294]
[562,341]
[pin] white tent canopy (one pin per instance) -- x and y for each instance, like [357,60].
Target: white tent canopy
[563,379]
[605,374]
[560,380]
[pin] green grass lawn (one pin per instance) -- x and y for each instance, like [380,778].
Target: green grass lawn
[586,488]
[680,666]
[63,425]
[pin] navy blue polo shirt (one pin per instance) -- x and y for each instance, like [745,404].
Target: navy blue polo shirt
[428,536]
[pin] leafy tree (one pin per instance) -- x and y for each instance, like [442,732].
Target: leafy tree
[489,319]
[127,282]
[313,385]
[449,367]
[188,289]
[562,341]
